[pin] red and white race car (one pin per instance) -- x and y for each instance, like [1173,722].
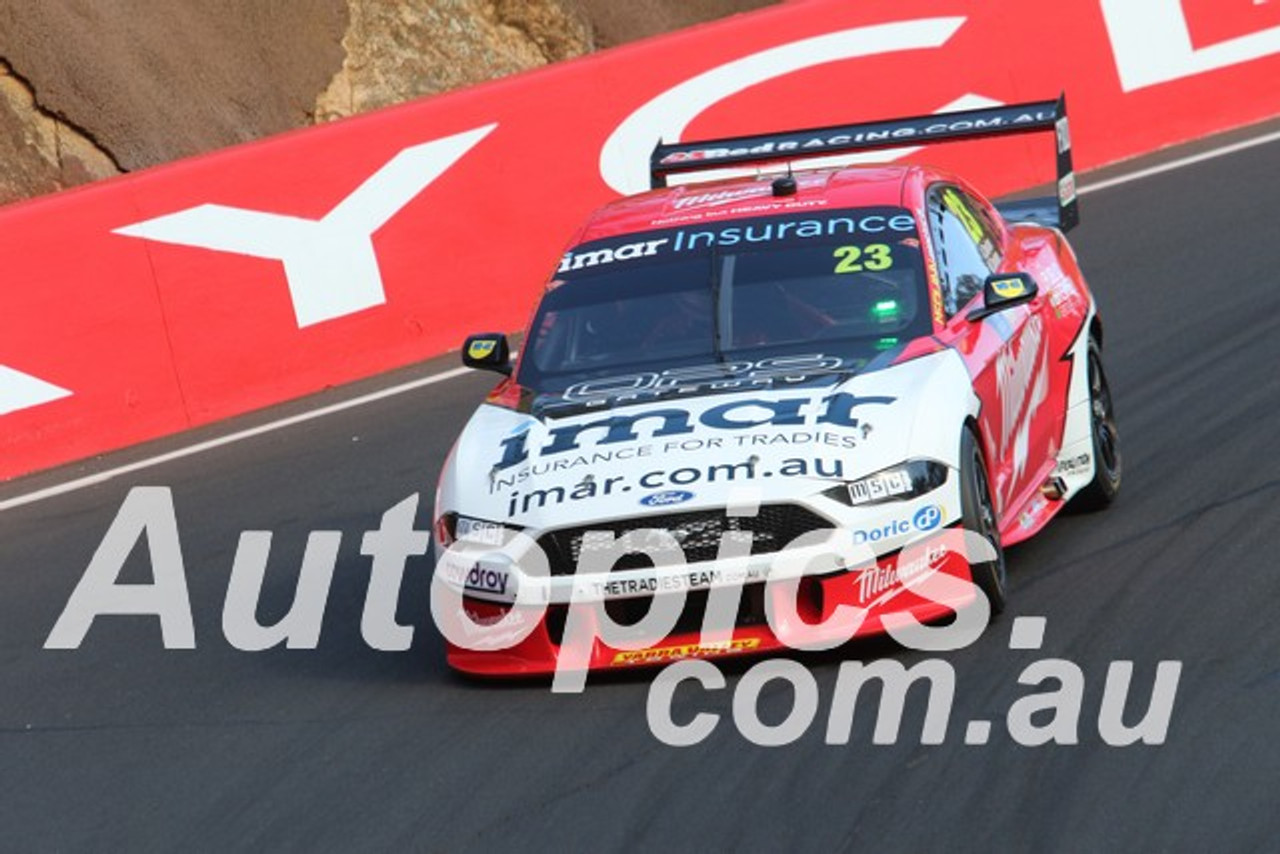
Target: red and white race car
[722,375]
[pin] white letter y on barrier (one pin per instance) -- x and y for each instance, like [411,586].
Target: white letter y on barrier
[329,263]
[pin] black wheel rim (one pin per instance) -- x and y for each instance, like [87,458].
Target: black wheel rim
[1105,437]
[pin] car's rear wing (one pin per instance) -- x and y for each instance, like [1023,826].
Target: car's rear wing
[676,158]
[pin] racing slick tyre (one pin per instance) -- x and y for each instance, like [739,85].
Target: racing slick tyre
[979,516]
[1102,490]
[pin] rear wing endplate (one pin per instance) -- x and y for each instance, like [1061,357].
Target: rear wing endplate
[929,129]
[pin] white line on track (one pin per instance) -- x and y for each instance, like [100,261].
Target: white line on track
[230,438]
[1181,162]
[392,391]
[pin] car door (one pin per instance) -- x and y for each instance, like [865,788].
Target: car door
[1007,352]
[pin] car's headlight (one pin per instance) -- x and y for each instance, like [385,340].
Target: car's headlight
[452,527]
[898,483]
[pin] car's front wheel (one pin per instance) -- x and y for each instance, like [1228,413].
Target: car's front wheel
[979,516]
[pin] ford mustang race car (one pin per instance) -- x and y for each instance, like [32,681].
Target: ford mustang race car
[721,374]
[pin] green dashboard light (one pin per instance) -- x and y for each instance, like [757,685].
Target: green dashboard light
[885,311]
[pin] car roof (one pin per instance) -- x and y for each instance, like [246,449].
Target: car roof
[741,198]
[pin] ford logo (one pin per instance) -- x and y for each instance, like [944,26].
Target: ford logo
[663,499]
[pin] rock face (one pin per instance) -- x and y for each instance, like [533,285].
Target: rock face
[397,51]
[38,151]
[617,21]
[89,89]
[147,81]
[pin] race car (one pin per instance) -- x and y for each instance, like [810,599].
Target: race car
[720,376]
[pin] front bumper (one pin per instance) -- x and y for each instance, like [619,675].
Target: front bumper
[873,596]
[860,575]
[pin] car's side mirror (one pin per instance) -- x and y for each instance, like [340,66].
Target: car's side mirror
[487,351]
[1002,290]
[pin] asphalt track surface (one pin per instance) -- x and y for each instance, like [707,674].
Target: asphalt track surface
[122,745]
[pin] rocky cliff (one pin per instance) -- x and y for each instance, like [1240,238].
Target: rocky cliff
[90,88]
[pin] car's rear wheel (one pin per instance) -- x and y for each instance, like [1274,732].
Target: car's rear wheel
[979,516]
[1107,462]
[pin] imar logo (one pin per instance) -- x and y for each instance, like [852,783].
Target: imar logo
[744,414]
[329,263]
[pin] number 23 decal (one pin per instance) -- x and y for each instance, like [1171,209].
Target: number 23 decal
[855,259]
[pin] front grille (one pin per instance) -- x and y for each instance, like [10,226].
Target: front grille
[698,533]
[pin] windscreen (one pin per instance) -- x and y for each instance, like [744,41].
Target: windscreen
[848,283]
